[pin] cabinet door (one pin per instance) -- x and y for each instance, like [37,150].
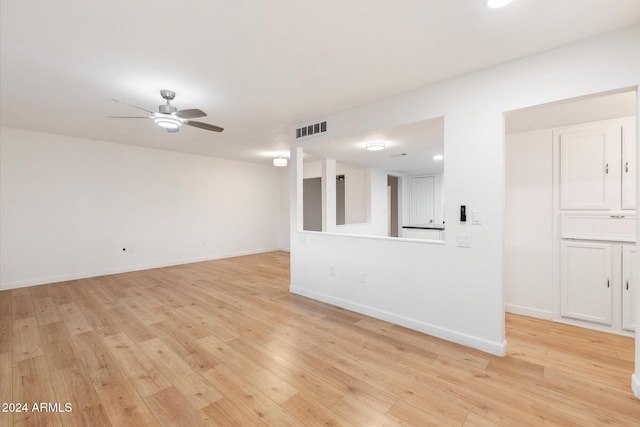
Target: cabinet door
[629,164]
[590,167]
[629,287]
[586,281]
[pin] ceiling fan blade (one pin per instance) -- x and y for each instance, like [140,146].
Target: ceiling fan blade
[205,126]
[128,117]
[139,108]
[190,113]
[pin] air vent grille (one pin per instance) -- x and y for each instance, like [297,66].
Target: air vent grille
[311,130]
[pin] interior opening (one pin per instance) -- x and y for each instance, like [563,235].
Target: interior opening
[393,203]
[396,191]
[569,223]
[312,204]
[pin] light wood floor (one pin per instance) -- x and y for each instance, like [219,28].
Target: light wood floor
[224,343]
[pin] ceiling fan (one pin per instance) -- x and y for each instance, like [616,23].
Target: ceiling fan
[169,117]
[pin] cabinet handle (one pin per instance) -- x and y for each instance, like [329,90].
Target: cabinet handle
[627,284]
[606,168]
[626,167]
[608,284]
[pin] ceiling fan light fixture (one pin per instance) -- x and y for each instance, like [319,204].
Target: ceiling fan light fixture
[167,122]
[374,146]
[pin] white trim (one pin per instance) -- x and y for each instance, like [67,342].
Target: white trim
[86,275]
[528,311]
[369,236]
[593,326]
[635,384]
[492,347]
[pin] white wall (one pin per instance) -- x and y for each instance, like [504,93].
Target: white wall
[69,206]
[357,197]
[454,293]
[283,208]
[528,224]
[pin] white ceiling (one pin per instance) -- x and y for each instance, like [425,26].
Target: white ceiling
[573,111]
[257,67]
[409,149]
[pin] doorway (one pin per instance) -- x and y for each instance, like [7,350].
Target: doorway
[393,203]
[312,204]
[537,274]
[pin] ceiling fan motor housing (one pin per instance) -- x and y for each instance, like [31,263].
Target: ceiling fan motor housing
[167,109]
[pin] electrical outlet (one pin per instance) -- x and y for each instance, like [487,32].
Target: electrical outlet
[332,270]
[363,277]
[464,240]
[301,239]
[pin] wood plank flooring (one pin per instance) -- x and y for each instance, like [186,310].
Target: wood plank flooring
[224,343]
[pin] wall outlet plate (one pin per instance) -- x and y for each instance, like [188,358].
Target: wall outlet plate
[464,240]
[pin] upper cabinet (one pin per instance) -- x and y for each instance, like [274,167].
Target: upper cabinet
[629,164]
[597,165]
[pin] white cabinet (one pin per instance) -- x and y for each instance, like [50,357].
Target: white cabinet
[597,165]
[588,166]
[594,202]
[629,287]
[599,283]
[586,276]
[629,164]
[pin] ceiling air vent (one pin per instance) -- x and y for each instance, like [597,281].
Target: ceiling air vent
[311,130]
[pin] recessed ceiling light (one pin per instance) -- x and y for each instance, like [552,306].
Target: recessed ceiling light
[496,4]
[375,146]
[438,157]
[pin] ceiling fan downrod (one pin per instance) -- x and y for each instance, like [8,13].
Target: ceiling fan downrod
[169,95]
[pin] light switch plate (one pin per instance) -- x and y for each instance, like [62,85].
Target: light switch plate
[475,218]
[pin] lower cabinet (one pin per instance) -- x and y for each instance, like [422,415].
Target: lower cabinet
[586,275]
[630,281]
[598,281]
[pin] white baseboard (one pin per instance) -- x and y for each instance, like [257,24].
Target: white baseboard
[492,347]
[127,269]
[635,384]
[528,311]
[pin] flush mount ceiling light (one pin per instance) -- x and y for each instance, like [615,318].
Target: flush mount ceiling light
[166,121]
[280,161]
[375,146]
[438,157]
[496,4]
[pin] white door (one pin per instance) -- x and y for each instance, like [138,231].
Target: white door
[589,166]
[586,281]
[422,200]
[629,287]
[629,164]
